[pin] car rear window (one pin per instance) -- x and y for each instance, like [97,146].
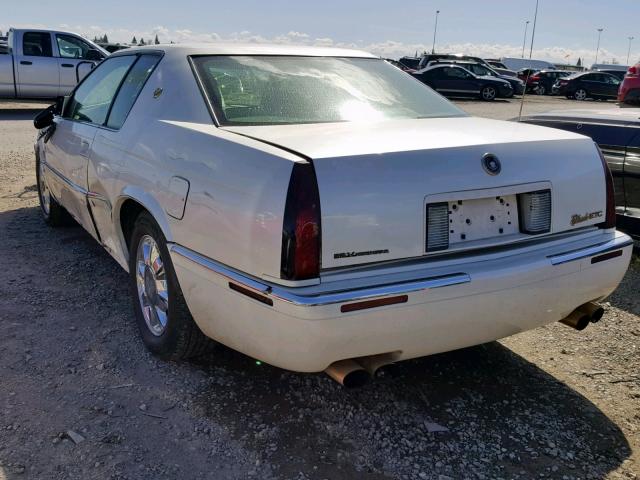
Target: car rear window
[270,90]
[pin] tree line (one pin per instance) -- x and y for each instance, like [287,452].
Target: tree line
[134,40]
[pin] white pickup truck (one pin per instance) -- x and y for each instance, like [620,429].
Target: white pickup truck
[45,63]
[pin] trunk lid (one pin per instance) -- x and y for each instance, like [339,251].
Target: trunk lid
[375,181]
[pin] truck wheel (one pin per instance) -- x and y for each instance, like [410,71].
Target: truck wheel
[162,315]
[488,93]
[53,213]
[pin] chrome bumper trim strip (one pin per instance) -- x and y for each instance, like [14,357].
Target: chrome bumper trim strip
[620,241]
[289,296]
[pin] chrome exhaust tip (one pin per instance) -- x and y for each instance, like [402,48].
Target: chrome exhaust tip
[348,373]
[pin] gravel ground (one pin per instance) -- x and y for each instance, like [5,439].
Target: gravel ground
[82,399]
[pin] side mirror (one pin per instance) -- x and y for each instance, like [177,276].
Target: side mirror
[45,118]
[94,55]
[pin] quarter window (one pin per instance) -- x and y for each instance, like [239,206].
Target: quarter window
[130,89]
[36,44]
[72,47]
[92,99]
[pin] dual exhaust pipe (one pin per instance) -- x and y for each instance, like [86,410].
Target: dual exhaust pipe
[582,316]
[352,373]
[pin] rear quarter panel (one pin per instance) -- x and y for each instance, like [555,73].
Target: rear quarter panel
[237,186]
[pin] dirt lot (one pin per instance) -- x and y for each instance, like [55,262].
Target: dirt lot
[80,397]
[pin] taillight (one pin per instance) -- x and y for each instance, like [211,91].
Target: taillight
[301,227]
[534,78]
[633,71]
[610,214]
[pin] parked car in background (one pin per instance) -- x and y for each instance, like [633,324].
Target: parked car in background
[113,47]
[410,62]
[542,82]
[482,70]
[619,74]
[617,132]
[426,59]
[496,64]
[455,81]
[585,85]
[336,230]
[399,65]
[517,64]
[45,63]
[629,92]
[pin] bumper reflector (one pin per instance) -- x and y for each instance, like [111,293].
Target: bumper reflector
[437,226]
[381,302]
[535,211]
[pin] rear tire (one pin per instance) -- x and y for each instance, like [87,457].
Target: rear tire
[53,213]
[165,323]
[580,94]
[541,90]
[488,93]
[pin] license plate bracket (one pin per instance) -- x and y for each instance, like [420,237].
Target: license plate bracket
[482,218]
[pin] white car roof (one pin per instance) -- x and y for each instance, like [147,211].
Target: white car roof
[221,48]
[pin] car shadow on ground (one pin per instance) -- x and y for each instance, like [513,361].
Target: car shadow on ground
[500,416]
[482,412]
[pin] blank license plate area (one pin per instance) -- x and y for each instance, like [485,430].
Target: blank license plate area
[482,218]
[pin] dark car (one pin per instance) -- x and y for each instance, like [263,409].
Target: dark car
[542,82]
[617,132]
[482,70]
[619,74]
[455,81]
[410,62]
[596,85]
[629,92]
[399,65]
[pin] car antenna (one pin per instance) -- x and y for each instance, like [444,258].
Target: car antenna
[526,82]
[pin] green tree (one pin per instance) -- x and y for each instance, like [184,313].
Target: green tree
[134,41]
[156,41]
[142,41]
[105,39]
[579,62]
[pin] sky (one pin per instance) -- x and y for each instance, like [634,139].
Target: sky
[566,29]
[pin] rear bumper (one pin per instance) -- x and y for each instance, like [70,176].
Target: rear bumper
[448,306]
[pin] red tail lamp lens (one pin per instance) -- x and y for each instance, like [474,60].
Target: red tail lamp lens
[301,229]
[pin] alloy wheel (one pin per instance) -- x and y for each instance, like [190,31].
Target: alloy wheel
[488,93]
[151,281]
[580,94]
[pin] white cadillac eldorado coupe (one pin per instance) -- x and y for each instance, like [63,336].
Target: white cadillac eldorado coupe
[320,209]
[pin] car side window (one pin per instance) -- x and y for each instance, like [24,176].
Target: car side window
[37,44]
[71,47]
[92,99]
[456,73]
[130,89]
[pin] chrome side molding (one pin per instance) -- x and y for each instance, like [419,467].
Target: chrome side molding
[620,241]
[288,295]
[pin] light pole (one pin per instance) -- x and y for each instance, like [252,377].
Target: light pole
[526,25]
[533,33]
[629,51]
[598,47]
[435,30]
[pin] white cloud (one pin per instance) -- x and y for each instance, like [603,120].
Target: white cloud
[387,48]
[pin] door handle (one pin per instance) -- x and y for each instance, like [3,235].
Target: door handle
[25,62]
[67,65]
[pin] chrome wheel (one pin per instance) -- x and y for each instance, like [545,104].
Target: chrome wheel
[581,94]
[488,93]
[151,281]
[43,191]
[541,90]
